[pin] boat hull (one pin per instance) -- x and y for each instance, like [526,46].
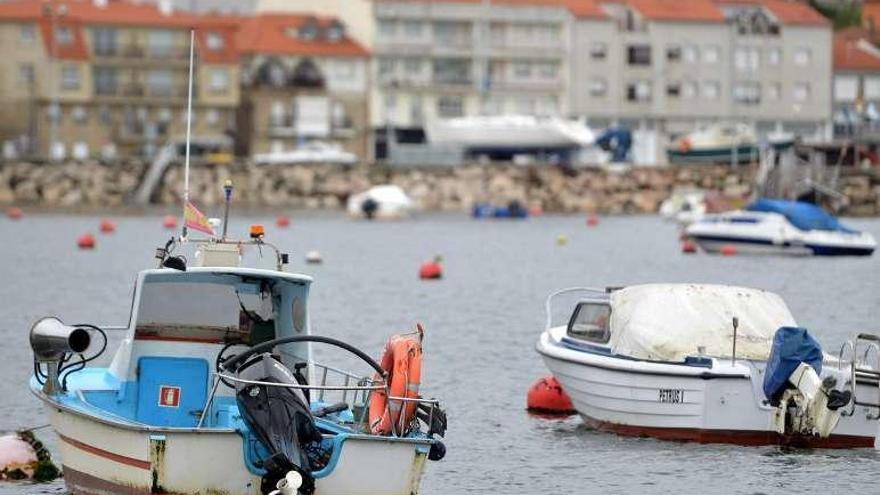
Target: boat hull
[99,457]
[644,399]
[714,244]
[727,154]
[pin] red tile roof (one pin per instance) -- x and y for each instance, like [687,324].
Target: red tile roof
[75,50]
[855,53]
[786,11]
[673,10]
[276,34]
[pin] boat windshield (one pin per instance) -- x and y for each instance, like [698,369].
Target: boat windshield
[241,312]
[590,322]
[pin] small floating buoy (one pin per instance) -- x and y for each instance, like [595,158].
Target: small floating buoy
[169,222]
[107,226]
[536,211]
[592,220]
[431,270]
[561,239]
[314,258]
[688,246]
[85,241]
[23,457]
[282,221]
[547,397]
[727,250]
[14,213]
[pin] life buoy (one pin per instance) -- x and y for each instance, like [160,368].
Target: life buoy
[402,362]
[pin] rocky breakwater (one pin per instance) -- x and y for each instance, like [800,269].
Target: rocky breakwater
[638,190]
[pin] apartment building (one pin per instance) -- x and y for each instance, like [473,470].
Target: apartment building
[109,77]
[856,93]
[652,65]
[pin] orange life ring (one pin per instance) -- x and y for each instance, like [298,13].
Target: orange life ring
[402,362]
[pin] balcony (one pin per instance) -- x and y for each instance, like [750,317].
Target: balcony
[141,91]
[136,53]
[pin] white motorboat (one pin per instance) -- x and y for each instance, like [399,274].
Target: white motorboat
[312,152]
[381,202]
[684,207]
[510,132]
[778,226]
[214,389]
[723,143]
[695,363]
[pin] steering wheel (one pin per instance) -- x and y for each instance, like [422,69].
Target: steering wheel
[233,362]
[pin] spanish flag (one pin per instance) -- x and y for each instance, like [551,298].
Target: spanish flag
[196,220]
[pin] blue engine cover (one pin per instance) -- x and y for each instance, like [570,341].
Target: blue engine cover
[791,347]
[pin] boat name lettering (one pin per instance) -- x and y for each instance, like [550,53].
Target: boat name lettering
[671,395]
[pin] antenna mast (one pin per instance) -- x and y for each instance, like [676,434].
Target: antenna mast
[192,38]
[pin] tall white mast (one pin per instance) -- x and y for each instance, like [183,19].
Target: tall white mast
[192,38]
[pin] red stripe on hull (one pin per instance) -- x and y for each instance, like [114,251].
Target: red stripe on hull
[129,461]
[80,483]
[751,438]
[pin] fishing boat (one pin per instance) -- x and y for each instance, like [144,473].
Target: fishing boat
[213,386]
[723,143]
[780,227]
[385,201]
[710,364]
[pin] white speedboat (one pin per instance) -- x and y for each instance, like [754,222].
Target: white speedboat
[313,152]
[778,226]
[684,207]
[381,202]
[214,389]
[706,363]
[723,143]
[510,132]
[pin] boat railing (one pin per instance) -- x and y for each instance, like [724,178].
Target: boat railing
[548,304]
[861,369]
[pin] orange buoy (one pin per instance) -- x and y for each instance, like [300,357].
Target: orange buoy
[169,222]
[727,250]
[547,397]
[431,270]
[592,220]
[688,246]
[85,241]
[14,213]
[282,221]
[108,226]
[536,211]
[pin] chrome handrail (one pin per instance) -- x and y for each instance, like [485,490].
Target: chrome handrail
[548,304]
[297,385]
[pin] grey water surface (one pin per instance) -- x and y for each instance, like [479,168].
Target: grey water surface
[482,321]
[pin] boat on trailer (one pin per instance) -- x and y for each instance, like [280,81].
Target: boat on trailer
[710,364]
[214,389]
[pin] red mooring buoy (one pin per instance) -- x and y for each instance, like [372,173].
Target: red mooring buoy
[169,222]
[85,241]
[431,270]
[592,220]
[107,226]
[547,397]
[688,246]
[536,211]
[282,221]
[14,213]
[727,250]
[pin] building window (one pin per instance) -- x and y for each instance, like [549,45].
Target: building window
[689,53]
[386,68]
[548,71]
[774,91]
[412,29]
[598,50]
[214,41]
[160,43]
[774,56]
[70,78]
[450,106]
[27,35]
[64,35]
[872,88]
[522,70]
[160,82]
[105,80]
[688,89]
[598,87]
[801,91]
[26,75]
[105,116]
[104,41]
[710,90]
[802,57]
[387,29]
[747,59]
[452,33]
[638,91]
[711,54]
[638,55]
[673,53]
[525,106]
[218,80]
[412,66]
[343,70]
[79,114]
[747,93]
[452,71]
[212,116]
[673,90]
[335,32]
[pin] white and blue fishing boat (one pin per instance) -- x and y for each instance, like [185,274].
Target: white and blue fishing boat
[213,387]
[779,226]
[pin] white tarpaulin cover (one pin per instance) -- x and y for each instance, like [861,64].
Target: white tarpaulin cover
[668,322]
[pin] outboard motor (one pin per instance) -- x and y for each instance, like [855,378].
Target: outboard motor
[805,404]
[369,207]
[280,418]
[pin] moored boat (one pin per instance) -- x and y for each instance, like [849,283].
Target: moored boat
[772,226]
[723,143]
[702,363]
[385,201]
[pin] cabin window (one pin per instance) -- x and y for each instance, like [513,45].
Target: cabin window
[590,322]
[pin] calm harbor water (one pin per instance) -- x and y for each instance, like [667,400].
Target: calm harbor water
[482,322]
